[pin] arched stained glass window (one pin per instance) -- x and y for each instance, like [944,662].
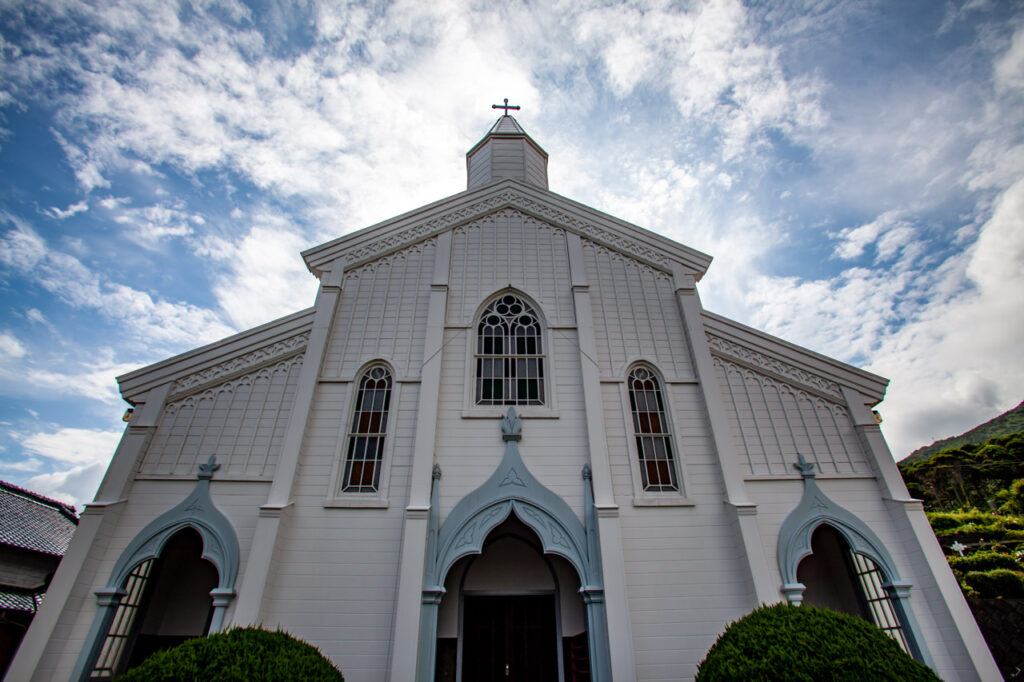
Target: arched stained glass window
[369,428]
[652,431]
[509,354]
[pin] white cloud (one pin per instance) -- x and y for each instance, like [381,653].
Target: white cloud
[10,347]
[265,279]
[156,321]
[73,209]
[73,446]
[76,485]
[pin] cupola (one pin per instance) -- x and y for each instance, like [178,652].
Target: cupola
[506,151]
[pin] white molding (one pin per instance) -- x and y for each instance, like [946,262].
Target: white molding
[440,216]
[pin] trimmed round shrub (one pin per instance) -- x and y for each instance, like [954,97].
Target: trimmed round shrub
[806,643]
[237,655]
[997,583]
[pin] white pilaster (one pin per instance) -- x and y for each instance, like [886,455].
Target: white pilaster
[914,521]
[111,494]
[620,635]
[257,566]
[765,592]
[405,640]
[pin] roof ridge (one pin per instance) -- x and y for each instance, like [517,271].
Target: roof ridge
[64,508]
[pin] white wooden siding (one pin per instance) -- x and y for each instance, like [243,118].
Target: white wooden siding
[772,421]
[242,421]
[382,313]
[509,247]
[635,314]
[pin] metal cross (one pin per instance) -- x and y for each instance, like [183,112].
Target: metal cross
[506,106]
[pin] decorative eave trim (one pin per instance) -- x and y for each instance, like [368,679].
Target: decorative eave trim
[399,232]
[786,361]
[225,358]
[240,365]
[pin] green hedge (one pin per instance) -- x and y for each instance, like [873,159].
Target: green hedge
[997,583]
[983,561]
[805,644]
[237,655]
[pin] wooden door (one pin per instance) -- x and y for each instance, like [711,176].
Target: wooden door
[509,639]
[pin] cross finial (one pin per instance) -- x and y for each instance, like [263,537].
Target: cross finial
[506,106]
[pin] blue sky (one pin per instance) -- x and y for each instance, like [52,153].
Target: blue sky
[856,169]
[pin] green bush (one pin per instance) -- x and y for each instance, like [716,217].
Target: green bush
[237,655]
[998,583]
[805,643]
[983,561]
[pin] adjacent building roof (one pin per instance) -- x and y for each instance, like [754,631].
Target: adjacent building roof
[34,522]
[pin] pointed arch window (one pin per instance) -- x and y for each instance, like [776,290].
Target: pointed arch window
[652,432]
[509,354]
[365,456]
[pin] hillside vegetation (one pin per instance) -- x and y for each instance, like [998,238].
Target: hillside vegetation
[974,498]
[1011,421]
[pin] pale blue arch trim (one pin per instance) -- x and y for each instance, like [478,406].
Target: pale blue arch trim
[511,488]
[220,548]
[197,511]
[794,545]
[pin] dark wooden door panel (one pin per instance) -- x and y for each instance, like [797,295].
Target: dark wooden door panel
[509,639]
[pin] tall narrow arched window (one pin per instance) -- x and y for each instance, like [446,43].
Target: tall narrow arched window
[652,432]
[365,455]
[509,354]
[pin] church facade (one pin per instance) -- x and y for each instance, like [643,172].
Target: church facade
[506,442]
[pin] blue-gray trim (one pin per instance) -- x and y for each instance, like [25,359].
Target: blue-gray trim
[794,545]
[220,548]
[513,489]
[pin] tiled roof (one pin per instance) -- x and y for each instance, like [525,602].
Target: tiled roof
[31,521]
[13,599]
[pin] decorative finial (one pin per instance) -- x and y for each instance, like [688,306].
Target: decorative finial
[806,469]
[206,470]
[587,473]
[436,473]
[506,106]
[511,426]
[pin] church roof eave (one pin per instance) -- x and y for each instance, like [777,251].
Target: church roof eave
[431,219]
[285,331]
[747,345]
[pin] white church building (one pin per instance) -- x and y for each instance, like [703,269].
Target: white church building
[507,442]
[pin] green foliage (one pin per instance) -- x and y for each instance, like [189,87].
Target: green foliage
[983,561]
[974,522]
[969,475]
[1011,421]
[1000,583]
[805,643]
[237,655]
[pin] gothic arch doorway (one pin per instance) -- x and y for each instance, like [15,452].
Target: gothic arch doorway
[512,613]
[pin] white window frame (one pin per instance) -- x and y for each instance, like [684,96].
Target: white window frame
[547,410]
[653,498]
[336,497]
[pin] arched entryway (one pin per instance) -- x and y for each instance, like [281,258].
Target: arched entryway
[838,578]
[512,507]
[173,581]
[167,600]
[512,613]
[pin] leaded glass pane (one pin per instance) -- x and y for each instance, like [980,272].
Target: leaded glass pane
[510,359]
[366,437]
[653,440]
